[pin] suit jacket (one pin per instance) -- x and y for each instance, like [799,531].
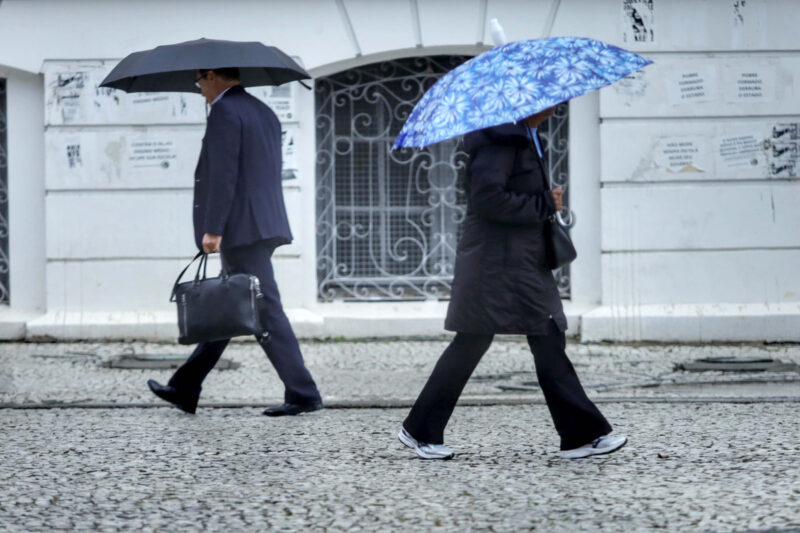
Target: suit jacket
[237,186]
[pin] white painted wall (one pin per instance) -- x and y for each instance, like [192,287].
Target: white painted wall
[680,235]
[699,198]
[26,201]
[119,177]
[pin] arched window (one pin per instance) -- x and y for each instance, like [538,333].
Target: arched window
[388,221]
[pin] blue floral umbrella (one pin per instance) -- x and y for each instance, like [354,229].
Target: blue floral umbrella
[512,82]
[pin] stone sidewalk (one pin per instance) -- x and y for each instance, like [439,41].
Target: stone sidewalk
[386,373]
[688,468]
[87,447]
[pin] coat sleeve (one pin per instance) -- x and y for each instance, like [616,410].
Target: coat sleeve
[224,139]
[491,167]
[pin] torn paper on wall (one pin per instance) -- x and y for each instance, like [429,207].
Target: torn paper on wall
[638,21]
[289,152]
[280,99]
[784,150]
[631,87]
[73,96]
[748,24]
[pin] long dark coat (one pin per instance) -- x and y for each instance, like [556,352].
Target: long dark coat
[237,186]
[501,282]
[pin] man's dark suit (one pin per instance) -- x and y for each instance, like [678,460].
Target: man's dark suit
[237,185]
[238,194]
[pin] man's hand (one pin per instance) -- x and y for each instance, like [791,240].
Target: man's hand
[211,243]
[557,192]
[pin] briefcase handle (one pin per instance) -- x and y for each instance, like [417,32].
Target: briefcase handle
[202,265]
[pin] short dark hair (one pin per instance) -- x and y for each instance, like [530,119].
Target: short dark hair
[231,73]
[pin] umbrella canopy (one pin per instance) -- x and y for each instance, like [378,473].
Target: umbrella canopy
[512,82]
[173,67]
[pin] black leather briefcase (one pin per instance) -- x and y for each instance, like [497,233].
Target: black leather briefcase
[211,309]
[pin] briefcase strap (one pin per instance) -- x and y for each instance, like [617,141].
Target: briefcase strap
[202,265]
[203,262]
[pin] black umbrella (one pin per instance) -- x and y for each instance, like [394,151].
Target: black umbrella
[173,67]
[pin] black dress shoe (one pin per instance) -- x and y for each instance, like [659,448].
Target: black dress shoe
[291,409]
[184,402]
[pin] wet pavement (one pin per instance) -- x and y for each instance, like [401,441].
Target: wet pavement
[385,373]
[86,447]
[688,467]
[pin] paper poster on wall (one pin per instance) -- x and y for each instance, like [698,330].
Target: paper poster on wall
[631,87]
[72,151]
[744,85]
[692,85]
[152,153]
[73,97]
[66,90]
[743,151]
[785,132]
[784,161]
[69,157]
[281,99]
[638,21]
[289,152]
[785,150]
[158,157]
[682,154]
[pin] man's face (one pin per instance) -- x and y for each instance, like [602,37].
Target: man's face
[205,82]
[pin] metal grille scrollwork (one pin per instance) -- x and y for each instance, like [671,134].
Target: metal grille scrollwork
[4,266]
[555,138]
[388,221]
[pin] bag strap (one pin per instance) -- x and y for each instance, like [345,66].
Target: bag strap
[177,281]
[556,217]
[202,265]
[536,151]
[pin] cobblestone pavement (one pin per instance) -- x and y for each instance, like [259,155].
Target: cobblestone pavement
[383,371]
[689,467]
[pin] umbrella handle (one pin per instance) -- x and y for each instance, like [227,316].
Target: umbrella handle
[498,35]
[570,219]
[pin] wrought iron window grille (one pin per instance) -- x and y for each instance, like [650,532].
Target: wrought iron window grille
[388,222]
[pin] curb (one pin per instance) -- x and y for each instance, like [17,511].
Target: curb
[404,403]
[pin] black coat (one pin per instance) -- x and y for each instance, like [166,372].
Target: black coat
[501,282]
[237,186]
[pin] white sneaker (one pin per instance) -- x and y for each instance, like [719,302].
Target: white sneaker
[599,446]
[426,451]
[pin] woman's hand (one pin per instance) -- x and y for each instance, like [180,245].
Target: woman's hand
[557,193]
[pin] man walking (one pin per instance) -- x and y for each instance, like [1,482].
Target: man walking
[239,212]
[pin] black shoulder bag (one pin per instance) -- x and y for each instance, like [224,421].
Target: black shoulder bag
[559,248]
[212,309]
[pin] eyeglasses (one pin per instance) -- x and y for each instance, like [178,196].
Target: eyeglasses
[197,81]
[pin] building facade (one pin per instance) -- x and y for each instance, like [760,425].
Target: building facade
[683,177]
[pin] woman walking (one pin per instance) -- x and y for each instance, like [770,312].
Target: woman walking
[502,285]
